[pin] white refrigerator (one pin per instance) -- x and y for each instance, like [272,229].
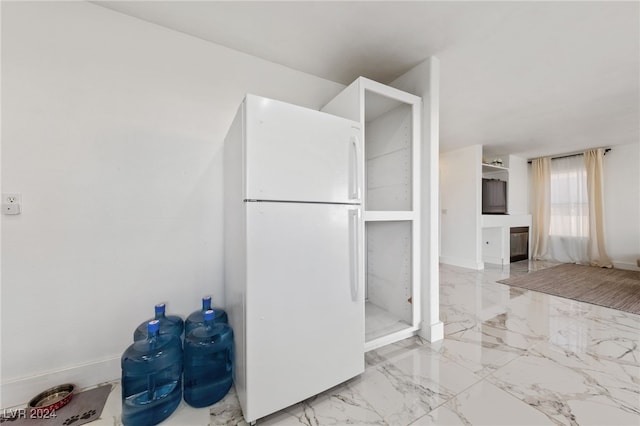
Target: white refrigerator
[294,266]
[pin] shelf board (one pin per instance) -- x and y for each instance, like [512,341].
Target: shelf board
[380,98]
[491,168]
[379,216]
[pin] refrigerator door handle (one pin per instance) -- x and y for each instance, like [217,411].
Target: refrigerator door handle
[355,169]
[354,249]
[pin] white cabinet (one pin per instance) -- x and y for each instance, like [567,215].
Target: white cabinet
[495,245]
[496,236]
[391,133]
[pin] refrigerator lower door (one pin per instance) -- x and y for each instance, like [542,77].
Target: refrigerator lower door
[304,302]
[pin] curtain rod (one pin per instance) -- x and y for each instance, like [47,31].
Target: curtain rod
[573,155]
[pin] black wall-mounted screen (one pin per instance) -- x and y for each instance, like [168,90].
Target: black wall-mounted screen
[494,196]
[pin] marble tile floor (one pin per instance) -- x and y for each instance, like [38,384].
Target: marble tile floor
[510,357]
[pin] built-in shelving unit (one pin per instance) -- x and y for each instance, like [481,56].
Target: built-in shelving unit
[391,135]
[496,228]
[490,168]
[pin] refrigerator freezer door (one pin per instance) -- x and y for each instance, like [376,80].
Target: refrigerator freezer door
[305,313]
[299,154]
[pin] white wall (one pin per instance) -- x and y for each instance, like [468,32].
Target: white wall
[622,204]
[424,80]
[112,131]
[518,186]
[461,207]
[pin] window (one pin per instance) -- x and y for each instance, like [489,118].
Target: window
[569,202]
[569,210]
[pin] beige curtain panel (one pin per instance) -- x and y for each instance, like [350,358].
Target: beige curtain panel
[540,216]
[596,252]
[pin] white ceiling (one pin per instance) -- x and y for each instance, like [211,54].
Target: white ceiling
[524,78]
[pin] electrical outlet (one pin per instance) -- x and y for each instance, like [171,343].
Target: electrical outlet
[11,208]
[11,204]
[11,198]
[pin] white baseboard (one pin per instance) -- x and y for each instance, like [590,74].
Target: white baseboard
[463,263]
[432,332]
[19,392]
[630,266]
[493,260]
[389,338]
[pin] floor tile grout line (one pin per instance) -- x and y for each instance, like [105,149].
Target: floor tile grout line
[484,378]
[481,379]
[527,352]
[524,402]
[520,400]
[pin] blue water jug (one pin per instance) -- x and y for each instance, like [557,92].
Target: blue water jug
[196,318]
[208,362]
[151,378]
[169,324]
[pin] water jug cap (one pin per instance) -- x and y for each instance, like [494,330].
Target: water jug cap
[160,308]
[153,326]
[208,315]
[206,303]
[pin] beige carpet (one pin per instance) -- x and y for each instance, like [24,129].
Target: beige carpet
[613,288]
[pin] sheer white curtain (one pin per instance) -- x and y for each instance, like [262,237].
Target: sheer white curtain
[569,211]
[541,175]
[594,162]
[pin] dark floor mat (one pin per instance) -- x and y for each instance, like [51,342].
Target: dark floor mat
[84,407]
